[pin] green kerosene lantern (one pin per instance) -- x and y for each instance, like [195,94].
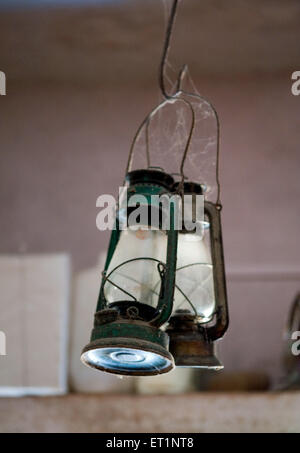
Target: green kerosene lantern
[136,295]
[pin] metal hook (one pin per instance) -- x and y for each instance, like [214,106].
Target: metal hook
[166,48]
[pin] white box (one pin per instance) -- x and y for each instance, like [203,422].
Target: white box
[34,319]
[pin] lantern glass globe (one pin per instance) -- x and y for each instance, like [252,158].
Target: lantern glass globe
[194,276]
[140,278]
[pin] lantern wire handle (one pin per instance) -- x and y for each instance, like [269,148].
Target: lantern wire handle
[198,96]
[146,122]
[147,142]
[172,98]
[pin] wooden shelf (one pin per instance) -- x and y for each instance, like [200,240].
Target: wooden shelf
[191,413]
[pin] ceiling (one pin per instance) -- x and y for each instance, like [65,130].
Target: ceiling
[120,41]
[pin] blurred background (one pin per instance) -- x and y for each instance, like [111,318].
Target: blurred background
[80,76]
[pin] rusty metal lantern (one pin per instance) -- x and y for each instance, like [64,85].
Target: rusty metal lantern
[200,313]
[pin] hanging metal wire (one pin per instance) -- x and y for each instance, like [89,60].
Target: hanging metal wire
[166,48]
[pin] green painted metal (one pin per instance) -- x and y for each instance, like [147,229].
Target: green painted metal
[130,336]
[134,329]
[165,303]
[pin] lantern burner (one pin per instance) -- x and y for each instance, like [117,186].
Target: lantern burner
[133,310]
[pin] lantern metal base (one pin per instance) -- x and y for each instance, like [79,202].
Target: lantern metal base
[189,346]
[128,348]
[194,352]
